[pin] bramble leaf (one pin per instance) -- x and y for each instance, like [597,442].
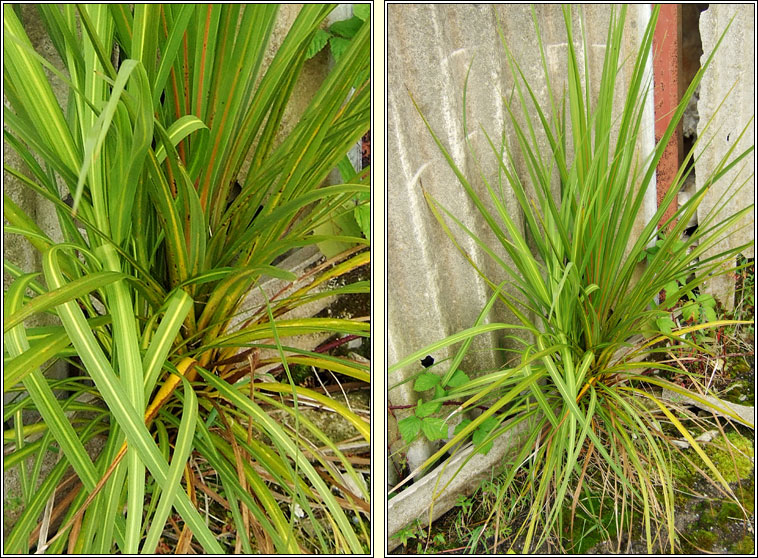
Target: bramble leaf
[459,378]
[708,314]
[426,381]
[706,300]
[346,28]
[463,424]
[362,11]
[428,408]
[666,324]
[439,392]
[409,428]
[434,428]
[320,38]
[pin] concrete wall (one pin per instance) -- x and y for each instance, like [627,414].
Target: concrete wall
[733,66]
[432,290]
[16,249]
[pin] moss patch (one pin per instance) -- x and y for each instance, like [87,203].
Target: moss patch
[702,539]
[734,463]
[744,546]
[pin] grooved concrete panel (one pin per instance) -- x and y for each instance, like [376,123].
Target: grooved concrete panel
[732,66]
[433,291]
[17,249]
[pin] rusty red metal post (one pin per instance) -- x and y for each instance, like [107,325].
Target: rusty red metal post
[667,78]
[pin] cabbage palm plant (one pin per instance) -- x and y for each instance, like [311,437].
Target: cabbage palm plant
[176,197]
[589,310]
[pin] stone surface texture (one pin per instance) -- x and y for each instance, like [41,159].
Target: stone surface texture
[731,79]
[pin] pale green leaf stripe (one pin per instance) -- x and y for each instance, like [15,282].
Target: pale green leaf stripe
[39,334]
[684,433]
[323,360]
[96,44]
[179,304]
[145,36]
[28,74]
[32,358]
[322,437]
[276,433]
[275,524]
[213,446]
[96,138]
[117,400]
[169,215]
[360,425]
[14,271]
[52,414]
[359,372]
[297,495]
[121,191]
[569,400]
[574,454]
[74,289]
[125,337]
[173,485]
[44,399]
[25,225]
[723,409]
[178,131]
[285,210]
[455,338]
[169,49]
[291,328]
[13,299]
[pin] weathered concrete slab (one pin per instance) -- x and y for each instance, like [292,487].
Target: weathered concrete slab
[713,405]
[733,66]
[431,496]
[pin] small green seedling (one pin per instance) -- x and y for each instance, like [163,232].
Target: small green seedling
[407,533]
[696,308]
[434,428]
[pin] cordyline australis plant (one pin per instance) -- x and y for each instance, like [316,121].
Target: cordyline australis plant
[596,418]
[169,106]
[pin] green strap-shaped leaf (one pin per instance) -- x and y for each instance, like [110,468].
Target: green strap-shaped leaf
[39,390]
[178,131]
[182,450]
[32,358]
[276,433]
[95,139]
[115,396]
[71,291]
[178,305]
[23,70]
[170,48]
[145,38]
